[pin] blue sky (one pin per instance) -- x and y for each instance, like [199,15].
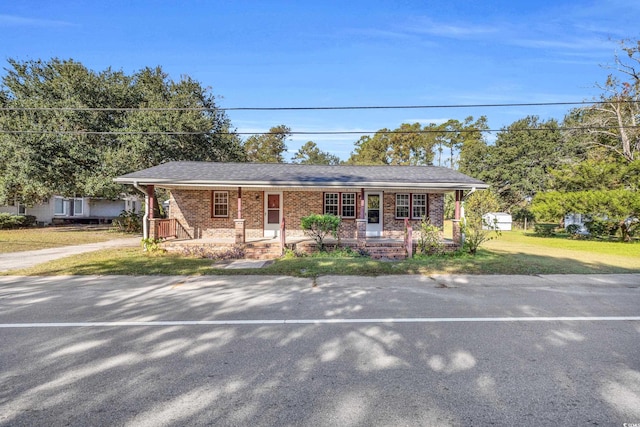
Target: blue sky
[342,53]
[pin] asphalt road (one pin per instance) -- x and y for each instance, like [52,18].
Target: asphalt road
[340,351]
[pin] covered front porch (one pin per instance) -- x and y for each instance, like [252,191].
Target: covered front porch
[176,241]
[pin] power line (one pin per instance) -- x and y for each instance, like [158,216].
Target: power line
[370,107]
[390,132]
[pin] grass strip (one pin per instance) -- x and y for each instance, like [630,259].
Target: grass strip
[132,261]
[52,237]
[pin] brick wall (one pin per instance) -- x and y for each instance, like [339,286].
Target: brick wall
[192,208]
[394,228]
[297,204]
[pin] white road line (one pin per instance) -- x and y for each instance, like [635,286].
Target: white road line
[315,321]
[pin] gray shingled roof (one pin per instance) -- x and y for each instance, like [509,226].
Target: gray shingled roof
[293,175]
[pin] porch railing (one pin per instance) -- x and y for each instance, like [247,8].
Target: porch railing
[170,228]
[166,228]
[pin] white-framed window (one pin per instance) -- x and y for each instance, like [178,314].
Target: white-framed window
[220,208]
[412,205]
[332,203]
[59,206]
[78,207]
[402,205]
[419,206]
[348,208]
[340,204]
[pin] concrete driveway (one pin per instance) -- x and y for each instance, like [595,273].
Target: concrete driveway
[26,259]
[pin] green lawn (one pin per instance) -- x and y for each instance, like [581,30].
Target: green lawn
[513,253]
[52,237]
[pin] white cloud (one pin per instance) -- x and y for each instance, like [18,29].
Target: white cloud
[441,29]
[580,43]
[20,21]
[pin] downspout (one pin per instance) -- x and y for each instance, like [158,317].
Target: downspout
[145,218]
[473,190]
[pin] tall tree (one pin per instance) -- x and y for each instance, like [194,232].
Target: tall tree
[614,122]
[70,130]
[268,147]
[409,144]
[519,163]
[469,143]
[310,154]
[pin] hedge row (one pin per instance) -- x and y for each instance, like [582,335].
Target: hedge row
[9,221]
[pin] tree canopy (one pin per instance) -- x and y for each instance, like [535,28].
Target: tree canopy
[268,147]
[519,163]
[69,130]
[311,154]
[619,206]
[614,122]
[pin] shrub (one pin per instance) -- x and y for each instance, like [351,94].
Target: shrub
[545,229]
[598,227]
[152,245]
[429,241]
[320,226]
[573,230]
[476,206]
[9,221]
[28,221]
[292,253]
[127,222]
[475,234]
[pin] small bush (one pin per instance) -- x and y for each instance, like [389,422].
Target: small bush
[292,253]
[602,227]
[545,229]
[475,234]
[573,229]
[152,245]
[9,221]
[127,222]
[430,241]
[28,221]
[320,226]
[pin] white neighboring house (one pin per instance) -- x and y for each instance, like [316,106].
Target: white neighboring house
[58,209]
[502,221]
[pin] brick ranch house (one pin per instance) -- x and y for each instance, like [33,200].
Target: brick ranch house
[245,202]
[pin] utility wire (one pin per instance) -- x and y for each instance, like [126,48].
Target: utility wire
[372,107]
[426,131]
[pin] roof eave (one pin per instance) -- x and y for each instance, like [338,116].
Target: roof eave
[269,184]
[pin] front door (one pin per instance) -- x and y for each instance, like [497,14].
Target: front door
[373,214]
[272,214]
